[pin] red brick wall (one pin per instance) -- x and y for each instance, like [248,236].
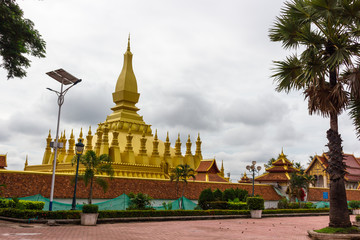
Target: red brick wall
[316,194]
[21,184]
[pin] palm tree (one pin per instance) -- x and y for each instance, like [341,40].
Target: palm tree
[95,165]
[182,173]
[327,32]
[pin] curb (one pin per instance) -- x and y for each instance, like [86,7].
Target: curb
[157,219]
[329,236]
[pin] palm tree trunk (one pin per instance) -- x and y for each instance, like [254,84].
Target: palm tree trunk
[91,191]
[339,214]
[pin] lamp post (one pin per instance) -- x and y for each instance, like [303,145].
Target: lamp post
[251,168]
[64,78]
[79,148]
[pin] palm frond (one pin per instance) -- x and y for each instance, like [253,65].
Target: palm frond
[354,113]
[102,183]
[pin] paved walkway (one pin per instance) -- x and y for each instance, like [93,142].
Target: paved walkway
[265,228]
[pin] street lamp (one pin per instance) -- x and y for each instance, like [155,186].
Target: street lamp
[79,148]
[251,168]
[64,78]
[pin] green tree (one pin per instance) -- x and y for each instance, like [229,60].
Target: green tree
[228,194]
[17,38]
[326,35]
[269,163]
[217,195]
[95,165]
[299,182]
[140,201]
[206,196]
[182,173]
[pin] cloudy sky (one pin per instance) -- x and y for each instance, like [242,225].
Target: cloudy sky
[201,66]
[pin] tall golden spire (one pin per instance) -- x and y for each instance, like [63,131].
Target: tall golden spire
[126,93]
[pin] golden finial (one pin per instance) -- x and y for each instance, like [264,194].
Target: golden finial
[49,136]
[89,132]
[81,133]
[72,134]
[156,137]
[167,136]
[26,161]
[189,138]
[64,134]
[198,137]
[128,47]
[179,137]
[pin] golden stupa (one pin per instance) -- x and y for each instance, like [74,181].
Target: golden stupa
[133,148]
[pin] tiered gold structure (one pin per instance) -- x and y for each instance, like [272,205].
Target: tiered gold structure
[129,141]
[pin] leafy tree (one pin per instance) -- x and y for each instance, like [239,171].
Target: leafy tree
[228,194]
[95,165]
[269,163]
[17,38]
[140,201]
[299,184]
[218,194]
[241,194]
[205,196]
[326,35]
[299,166]
[182,173]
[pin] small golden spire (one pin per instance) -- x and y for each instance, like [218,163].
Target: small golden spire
[156,137]
[72,134]
[128,47]
[49,136]
[167,136]
[26,161]
[89,132]
[81,133]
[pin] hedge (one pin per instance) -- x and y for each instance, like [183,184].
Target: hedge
[75,214]
[90,208]
[237,206]
[21,204]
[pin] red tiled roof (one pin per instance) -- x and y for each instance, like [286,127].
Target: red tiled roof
[282,169]
[206,165]
[273,177]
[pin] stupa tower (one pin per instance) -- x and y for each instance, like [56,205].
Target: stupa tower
[126,93]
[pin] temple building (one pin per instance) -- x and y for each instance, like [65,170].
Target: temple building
[135,150]
[278,174]
[245,179]
[208,171]
[319,164]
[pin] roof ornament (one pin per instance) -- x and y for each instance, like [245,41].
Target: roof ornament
[128,47]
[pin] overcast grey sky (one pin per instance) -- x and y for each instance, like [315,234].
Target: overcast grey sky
[201,66]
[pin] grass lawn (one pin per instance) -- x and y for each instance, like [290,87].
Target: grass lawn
[352,229]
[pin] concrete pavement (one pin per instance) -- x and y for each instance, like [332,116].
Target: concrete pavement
[265,228]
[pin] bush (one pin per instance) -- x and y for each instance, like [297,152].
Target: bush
[283,204]
[90,208]
[237,205]
[205,196]
[217,195]
[354,204]
[21,204]
[255,203]
[241,194]
[228,194]
[294,205]
[140,201]
[218,205]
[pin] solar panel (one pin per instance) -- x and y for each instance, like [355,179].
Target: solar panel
[62,76]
